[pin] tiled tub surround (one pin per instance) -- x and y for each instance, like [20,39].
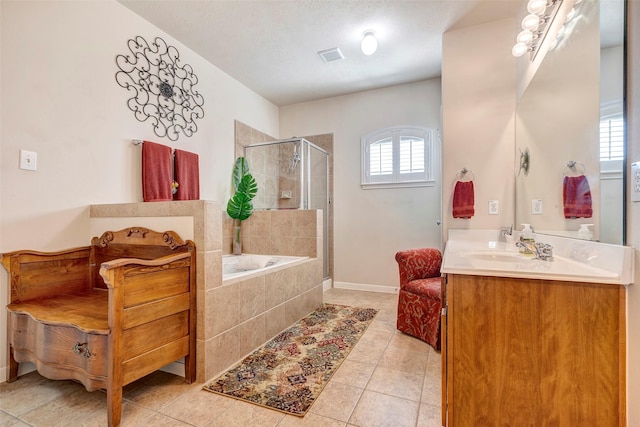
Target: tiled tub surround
[248,310]
[258,310]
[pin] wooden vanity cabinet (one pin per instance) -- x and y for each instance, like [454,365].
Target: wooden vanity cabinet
[527,352]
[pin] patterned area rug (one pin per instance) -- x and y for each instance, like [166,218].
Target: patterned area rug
[289,372]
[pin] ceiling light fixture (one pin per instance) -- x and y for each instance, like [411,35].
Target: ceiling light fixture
[369,44]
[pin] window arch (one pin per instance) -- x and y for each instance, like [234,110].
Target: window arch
[399,156]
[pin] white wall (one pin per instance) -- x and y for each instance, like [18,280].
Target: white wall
[61,100]
[370,226]
[478,104]
[633,215]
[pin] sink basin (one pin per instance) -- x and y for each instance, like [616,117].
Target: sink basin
[515,261]
[497,256]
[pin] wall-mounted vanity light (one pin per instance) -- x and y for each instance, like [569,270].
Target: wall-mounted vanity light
[536,25]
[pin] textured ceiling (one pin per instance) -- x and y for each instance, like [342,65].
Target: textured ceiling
[271,45]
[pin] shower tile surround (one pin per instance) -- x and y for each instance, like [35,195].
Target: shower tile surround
[246,135]
[236,316]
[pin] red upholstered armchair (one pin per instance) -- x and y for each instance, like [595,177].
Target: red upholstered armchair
[420,299]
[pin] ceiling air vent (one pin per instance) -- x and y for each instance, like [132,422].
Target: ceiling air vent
[331,55]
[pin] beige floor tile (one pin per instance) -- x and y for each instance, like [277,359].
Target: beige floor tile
[354,373]
[432,387]
[197,407]
[309,420]
[337,401]
[156,390]
[7,420]
[366,354]
[133,415]
[429,416]
[409,362]
[382,325]
[381,410]
[77,408]
[407,342]
[396,383]
[247,414]
[159,420]
[32,390]
[385,363]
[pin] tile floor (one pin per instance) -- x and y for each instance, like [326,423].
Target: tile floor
[388,379]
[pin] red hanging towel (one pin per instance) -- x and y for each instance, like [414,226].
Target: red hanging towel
[187,175]
[463,200]
[576,196]
[156,172]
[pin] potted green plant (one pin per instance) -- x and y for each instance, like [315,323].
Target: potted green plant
[240,206]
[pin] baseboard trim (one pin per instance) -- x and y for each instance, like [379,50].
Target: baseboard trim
[366,287]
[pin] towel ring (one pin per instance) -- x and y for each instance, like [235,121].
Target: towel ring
[571,165]
[463,172]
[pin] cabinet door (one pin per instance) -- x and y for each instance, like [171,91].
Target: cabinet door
[534,352]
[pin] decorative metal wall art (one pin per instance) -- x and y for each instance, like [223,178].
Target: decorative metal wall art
[162,90]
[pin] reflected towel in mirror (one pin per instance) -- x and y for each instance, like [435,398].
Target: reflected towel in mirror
[576,196]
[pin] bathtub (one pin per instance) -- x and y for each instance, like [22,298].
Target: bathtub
[235,266]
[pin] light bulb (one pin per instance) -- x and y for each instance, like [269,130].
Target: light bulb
[519,49]
[537,7]
[369,43]
[525,37]
[530,22]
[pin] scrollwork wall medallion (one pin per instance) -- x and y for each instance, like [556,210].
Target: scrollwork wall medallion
[162,90]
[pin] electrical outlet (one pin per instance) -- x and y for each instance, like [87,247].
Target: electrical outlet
[28,160]
[494,207]
[635,182]
[536,207]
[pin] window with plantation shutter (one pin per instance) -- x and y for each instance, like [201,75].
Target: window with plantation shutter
[612,138]
[397,157]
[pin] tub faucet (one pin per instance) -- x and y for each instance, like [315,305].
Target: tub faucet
[542,251]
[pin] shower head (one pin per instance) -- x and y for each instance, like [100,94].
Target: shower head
[295,159]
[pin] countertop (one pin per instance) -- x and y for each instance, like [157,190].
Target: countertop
[478,252]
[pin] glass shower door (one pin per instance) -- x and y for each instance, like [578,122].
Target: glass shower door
[316,192]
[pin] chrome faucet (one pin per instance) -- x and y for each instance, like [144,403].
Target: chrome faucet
[542,251]
[504,232]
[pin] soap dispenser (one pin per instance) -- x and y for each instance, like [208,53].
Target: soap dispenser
[585,232]
[527,233]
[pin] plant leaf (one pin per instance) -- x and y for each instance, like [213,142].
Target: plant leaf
[248,186]
[240,206]
[240,169]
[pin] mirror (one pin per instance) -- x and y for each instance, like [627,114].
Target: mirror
[576,90]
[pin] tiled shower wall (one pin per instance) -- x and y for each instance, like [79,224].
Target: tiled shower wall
[246,135]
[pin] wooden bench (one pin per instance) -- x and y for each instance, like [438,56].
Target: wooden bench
[106,314]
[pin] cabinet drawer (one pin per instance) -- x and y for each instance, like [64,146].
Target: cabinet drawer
[59,352]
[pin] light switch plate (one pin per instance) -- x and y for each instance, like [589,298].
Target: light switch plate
[28,160]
